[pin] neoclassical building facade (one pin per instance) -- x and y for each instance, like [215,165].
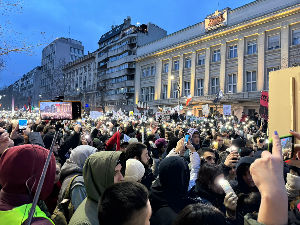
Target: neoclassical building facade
[231,50]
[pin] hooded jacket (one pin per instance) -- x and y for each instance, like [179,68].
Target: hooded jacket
[98,174]
[72,167]
[20,165]
[241,186]
[168,195]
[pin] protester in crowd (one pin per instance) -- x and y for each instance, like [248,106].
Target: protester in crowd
[208,190]
[101,170]
[139,151]
[168,195]
[4,140]
[194,159]
[161,146]
[169,135]
[171,145]
[123,146]
[129,200]
[243,118]
[246,152]
[200,214]
[74,167]
[135,170]
[20,171]
[245,183]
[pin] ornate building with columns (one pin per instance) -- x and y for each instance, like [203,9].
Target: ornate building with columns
[232,50]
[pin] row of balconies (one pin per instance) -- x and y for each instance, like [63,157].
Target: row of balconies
[120,73]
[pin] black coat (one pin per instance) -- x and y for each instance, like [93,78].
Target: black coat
[168,195]
[202,195]
[148,178]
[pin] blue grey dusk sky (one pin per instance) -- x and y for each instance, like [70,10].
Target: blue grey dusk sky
[89,19]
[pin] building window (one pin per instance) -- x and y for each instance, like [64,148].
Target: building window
[148,72]
[201,59]
[175,90]
[232,51]
[186,88]
[214,85]
[165,91]
[268,72]
[252,47]
[188,63]
[232,83]
[176,65]
[144,73]
[251,81]
[296,37]
[146,94]
[153,70]
[273,42]
[200,87]
[166,67]
[151,97]
[143,94]
[71,49]
[216,56]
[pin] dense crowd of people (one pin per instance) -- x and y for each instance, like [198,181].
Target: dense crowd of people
[131,171]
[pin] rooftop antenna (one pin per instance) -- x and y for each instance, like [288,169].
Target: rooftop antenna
[69,32]
[218,6]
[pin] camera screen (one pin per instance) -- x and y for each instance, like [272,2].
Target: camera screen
[287,147]
[56,110]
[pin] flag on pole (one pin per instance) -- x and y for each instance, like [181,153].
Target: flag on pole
[29,105]
[25,107]
[219,96]
[189,98]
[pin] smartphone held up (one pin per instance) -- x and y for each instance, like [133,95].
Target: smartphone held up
[60,110]
[287,144]
[22,124]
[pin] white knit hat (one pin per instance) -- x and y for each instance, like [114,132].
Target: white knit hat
[135,170]
[133,140]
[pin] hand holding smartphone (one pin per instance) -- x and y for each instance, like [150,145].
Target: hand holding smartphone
[22,124]
[186,138]
[287,144]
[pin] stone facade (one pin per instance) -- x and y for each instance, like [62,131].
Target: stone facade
[81,75]
[235,57]
[27,89]
[116,66]
[54,57]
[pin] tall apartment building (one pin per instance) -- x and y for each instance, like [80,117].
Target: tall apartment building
[232,50]
[81,77]
[54,57]
[115,63]
[26,90]
[6,94]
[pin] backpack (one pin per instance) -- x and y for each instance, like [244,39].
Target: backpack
[64,210]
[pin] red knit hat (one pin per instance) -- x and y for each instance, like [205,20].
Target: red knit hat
[25,163]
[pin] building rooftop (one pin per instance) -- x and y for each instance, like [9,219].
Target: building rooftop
[115,31]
